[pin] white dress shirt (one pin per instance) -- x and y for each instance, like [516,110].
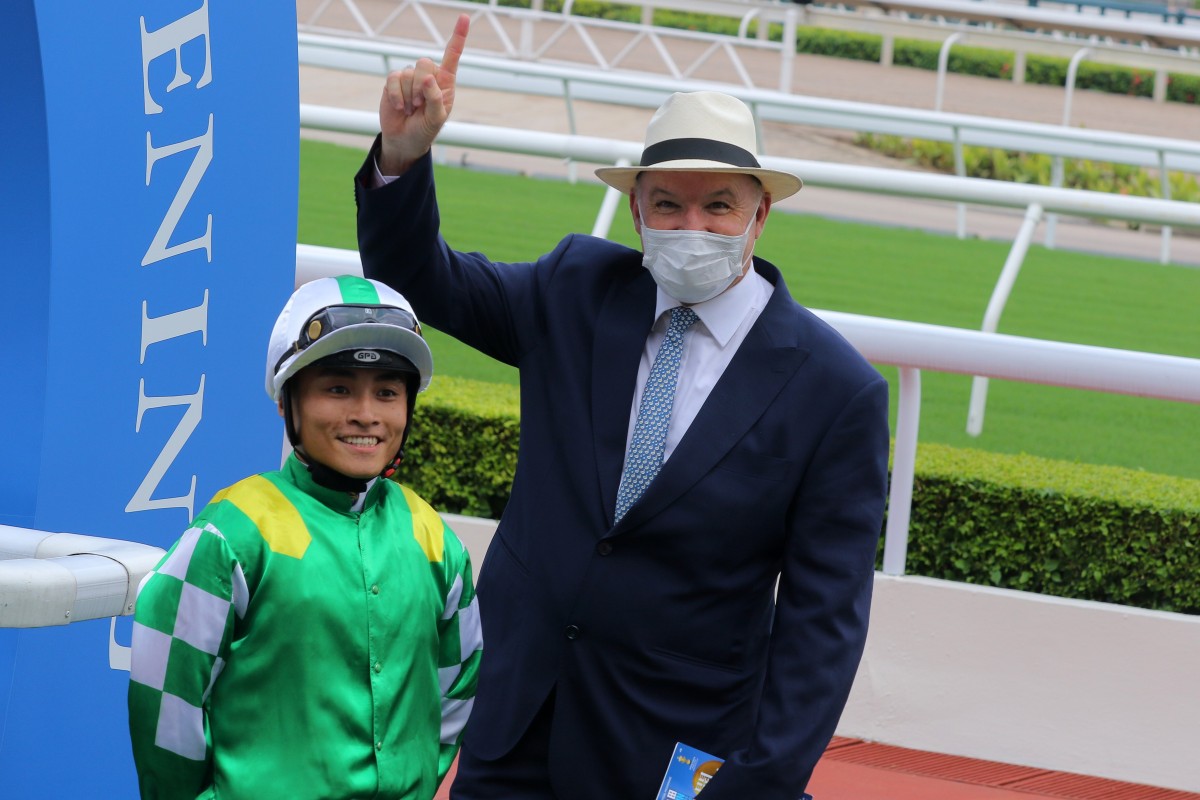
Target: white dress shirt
[708,347]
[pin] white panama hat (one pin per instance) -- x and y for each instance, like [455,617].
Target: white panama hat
[702,132]
[301,337]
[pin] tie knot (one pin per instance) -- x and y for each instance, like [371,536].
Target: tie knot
[682,318]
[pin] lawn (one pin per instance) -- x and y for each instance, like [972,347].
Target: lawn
[878,271]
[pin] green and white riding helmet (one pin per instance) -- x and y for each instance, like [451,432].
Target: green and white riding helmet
[351,322]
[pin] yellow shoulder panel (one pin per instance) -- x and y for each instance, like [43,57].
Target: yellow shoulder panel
[427,525]
[277,520]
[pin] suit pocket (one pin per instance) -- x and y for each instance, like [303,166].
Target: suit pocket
[696,661]
[500,548]
[756,465]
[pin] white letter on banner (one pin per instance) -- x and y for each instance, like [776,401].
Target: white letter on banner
[177,323]
[168,39]
[160,248]
[142,499]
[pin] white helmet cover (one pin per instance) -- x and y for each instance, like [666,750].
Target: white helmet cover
[346,290]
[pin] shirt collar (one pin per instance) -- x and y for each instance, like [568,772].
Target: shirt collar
[723,314]
[297,472]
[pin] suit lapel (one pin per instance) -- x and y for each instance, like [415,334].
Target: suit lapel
[621,330]
[767,359]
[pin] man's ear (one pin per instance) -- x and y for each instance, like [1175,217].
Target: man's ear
[279,407]
[633,210]
[764,209]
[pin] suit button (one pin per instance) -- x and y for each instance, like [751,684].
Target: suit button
[572,632]
[604,548]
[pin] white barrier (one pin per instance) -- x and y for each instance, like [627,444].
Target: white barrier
[1020,678]
[1014,677]
[59,578]
[873,180]
[1141,44]
[648,91]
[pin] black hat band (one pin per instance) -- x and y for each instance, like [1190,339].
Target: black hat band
[703,149]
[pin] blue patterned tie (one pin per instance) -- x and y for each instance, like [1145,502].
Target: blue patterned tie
[654,414]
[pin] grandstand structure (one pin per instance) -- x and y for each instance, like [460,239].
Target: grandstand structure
[1030,680]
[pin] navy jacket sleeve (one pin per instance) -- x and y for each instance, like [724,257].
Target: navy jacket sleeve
[400,245]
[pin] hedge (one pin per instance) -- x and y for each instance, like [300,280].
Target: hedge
[1074,530]
[1014,521]
[462,452]
[1035,168]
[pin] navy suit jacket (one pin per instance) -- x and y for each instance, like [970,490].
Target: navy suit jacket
[667,626]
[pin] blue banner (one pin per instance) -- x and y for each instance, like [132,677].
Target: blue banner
[148,178]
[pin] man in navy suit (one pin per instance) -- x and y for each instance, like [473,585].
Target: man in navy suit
[711,587]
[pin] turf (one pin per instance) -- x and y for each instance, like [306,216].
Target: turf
[878,271]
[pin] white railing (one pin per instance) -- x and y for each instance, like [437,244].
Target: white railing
[1160,153]
[1035,200]
[59,578]
[875,180]
[1151,33]
[533,34]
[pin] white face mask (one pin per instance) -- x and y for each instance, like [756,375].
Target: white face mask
[693,266]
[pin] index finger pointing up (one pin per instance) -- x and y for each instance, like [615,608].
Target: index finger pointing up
[456,45]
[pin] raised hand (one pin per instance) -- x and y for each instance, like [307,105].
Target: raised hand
[416,103]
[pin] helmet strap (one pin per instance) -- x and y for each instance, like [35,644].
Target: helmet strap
[332,479]
[391,468]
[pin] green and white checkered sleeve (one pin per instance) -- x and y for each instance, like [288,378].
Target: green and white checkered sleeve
[182,629]
[461,647]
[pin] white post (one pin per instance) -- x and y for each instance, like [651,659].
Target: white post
[960,169]
[1164,254]
[608,208]
[525,48]
[787,51]
[1057,169]
[943,61]
[904,458]
[991,317]
[887,50]
[572,166]
[1072,69]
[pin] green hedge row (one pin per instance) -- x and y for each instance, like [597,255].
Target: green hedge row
[1035,168]
[918,53]
[1072,530]
[462,452]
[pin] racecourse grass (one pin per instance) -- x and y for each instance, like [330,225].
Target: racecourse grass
[878,271]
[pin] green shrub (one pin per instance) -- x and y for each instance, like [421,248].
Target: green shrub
[682,20]
[463,450]
[838,44]
[1072,530]
[1034,168]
